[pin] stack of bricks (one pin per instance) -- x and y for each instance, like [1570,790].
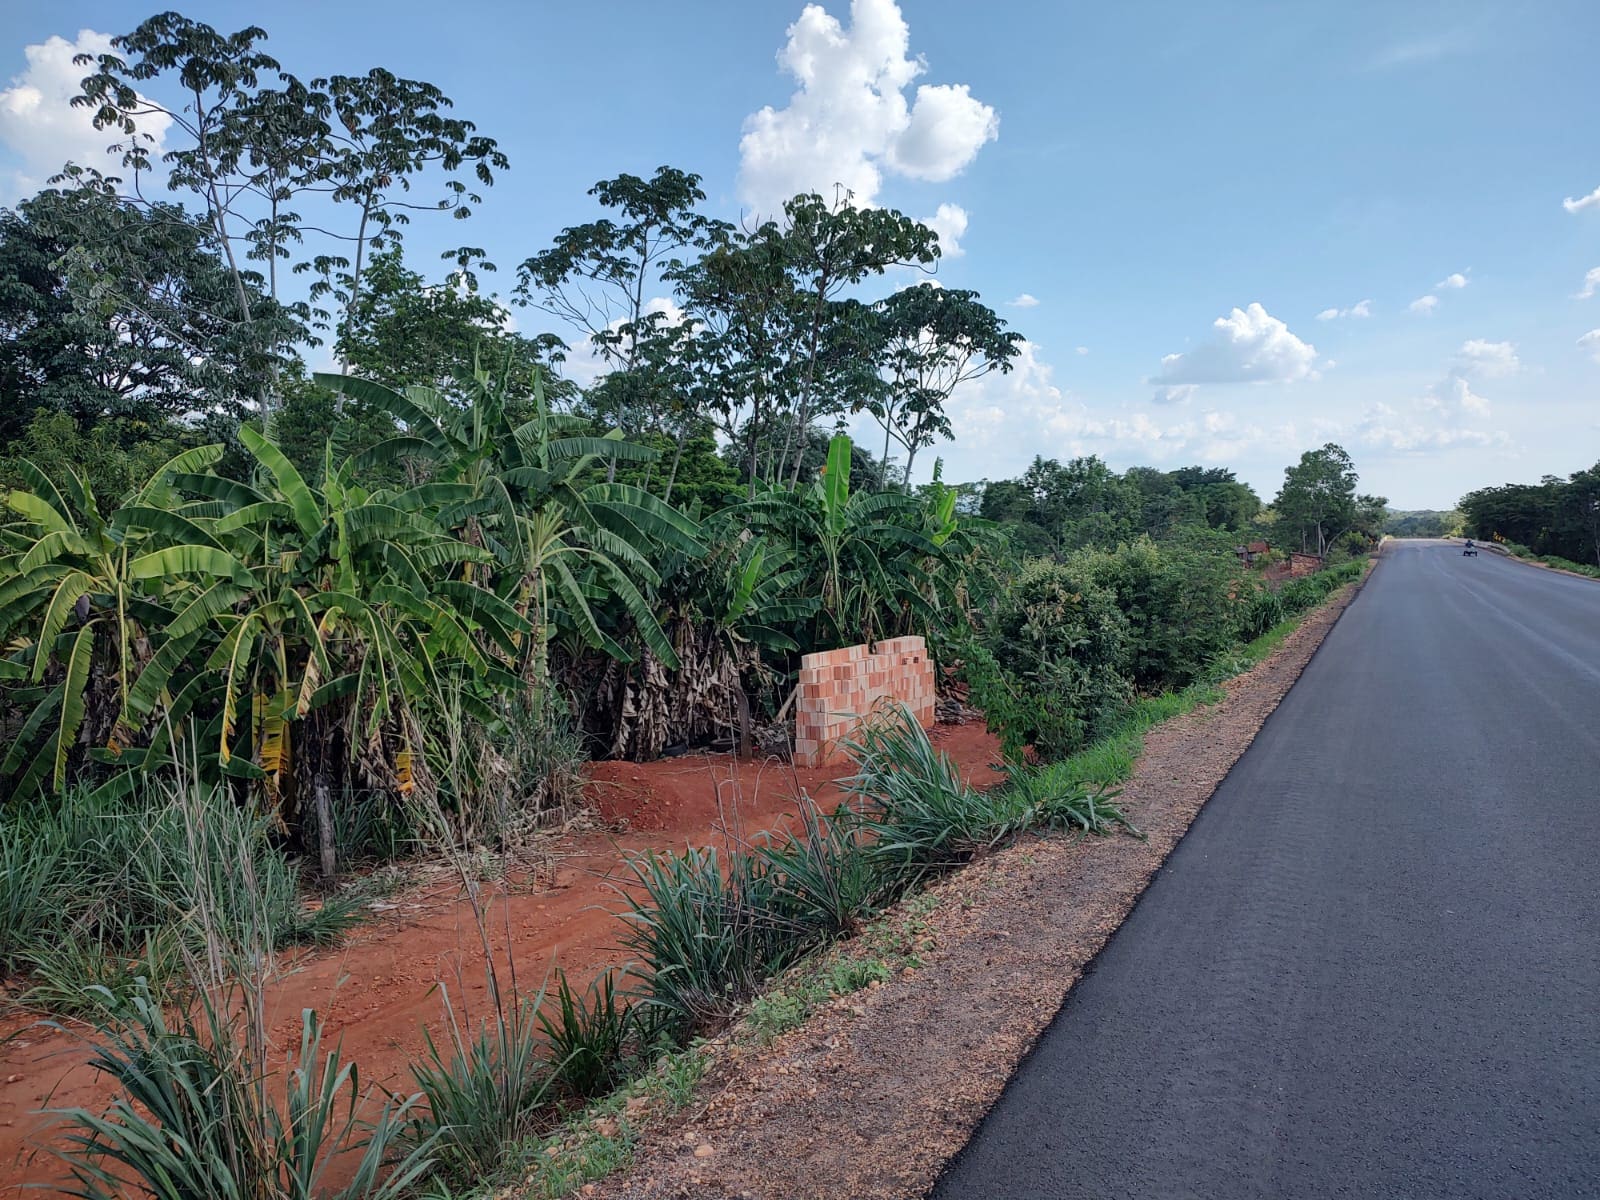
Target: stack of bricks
[838,688]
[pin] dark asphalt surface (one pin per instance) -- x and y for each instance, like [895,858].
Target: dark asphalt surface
[1372,966]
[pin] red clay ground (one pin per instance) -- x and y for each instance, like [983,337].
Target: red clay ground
[377,990]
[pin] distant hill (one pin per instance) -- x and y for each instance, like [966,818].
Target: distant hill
[1422,523]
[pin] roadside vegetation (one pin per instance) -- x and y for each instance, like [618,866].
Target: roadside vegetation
[1555,521]
[264,630]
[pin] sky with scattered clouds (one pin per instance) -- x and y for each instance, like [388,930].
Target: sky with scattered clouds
[1229,233]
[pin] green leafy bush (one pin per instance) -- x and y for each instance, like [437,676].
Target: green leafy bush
[1052,670]
[483,1091]
[593,1036]
[920,815]
[827,877]
[1179,599]
[709,928]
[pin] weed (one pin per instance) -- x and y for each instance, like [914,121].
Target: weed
[593,1038]
[193,1117]
[825,878]
[920,815]
[1056,799]
[486,1095]
[709,933]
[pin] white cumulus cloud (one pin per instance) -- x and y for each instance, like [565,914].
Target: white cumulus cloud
[1591,284]
[1177,393]
[1424,304]
[1454,280]
[1592,200]
[1361,309]
[1451,412]
[1249,345]
[1026,300]
[1591,342]
[849,121]
[950,223]
[1479,357]
[41,128]
[1384,427]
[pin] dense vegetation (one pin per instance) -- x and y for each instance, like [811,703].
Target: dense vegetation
[1555,518]
[1424,523]
[254,616]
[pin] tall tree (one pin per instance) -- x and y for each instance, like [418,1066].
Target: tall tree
[1318,499]
[255,143]
[110,311]
[598,276]
[830,249]
[784,343]
[406,331]
[933,340]
[602,277]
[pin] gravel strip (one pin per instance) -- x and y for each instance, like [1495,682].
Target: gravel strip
[874,1094]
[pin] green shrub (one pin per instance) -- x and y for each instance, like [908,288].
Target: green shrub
[486,1094]
[710,928]
[1179,600]
[1052,672]
[827,878]
[1055,798]
[194,1116]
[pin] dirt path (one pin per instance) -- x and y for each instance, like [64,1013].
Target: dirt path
[378,990]
[871,1098]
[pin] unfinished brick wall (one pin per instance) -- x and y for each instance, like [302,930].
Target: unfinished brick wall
[839,687]
[1303,564]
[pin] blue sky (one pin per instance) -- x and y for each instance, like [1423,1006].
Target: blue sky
[1247,228]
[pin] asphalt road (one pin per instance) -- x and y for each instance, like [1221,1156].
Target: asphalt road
[1372,966]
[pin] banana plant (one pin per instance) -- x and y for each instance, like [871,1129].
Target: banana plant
[869,552]
[532,493]
[84,608]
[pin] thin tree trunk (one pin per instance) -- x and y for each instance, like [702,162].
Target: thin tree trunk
[355,281]
[325,844]
[672,476]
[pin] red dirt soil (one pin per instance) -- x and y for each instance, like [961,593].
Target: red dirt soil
[378,989]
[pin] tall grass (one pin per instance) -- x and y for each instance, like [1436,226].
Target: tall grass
[194,1116]
[98,892]
[825,877]
[200,1109]
[913,803]
[712,928]
[483,1090]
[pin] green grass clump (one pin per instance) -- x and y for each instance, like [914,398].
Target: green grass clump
[98,891]
[594,1037]
[919,814]
[194,1117]
[709,928]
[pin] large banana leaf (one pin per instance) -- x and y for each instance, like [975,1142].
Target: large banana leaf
[307,512]
[72,701]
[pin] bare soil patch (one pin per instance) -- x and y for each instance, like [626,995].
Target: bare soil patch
[378,990]
[872,1095]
